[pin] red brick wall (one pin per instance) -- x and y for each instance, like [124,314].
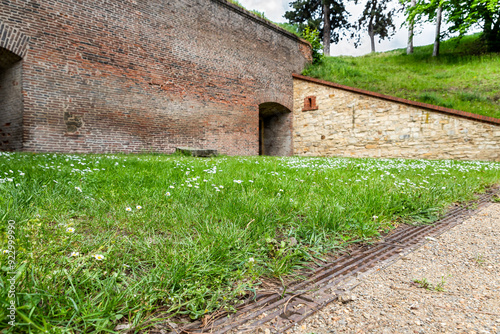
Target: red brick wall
[134,75]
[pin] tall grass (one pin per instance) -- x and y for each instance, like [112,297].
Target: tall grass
[463,77]
[104,239]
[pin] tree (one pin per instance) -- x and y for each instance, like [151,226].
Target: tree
[428,10]
[464,14]
[461,16]
[378,20]
[329,17]
[437,38]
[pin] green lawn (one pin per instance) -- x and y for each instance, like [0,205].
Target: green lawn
[102,239]
[462,77]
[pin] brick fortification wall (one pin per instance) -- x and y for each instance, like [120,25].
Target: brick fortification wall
[135,75]
[349,122]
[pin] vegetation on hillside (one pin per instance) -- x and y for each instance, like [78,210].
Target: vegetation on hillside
[292,28]
[464,77]
[99,240]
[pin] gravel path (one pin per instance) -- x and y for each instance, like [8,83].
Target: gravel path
[464,261]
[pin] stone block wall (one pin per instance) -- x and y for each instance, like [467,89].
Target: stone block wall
[133,76]
[351,122]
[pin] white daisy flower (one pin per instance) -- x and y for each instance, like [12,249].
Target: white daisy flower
[128,209]
[70,230]
[75,254]
[99,257]
[138,207]
[167,193]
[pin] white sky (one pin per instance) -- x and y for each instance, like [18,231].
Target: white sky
[275,9]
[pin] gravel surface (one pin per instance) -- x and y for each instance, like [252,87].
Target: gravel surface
[461,269]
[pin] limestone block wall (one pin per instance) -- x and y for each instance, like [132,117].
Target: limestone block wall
[350,122]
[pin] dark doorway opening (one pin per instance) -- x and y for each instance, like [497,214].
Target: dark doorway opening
[275,129]
[11,102]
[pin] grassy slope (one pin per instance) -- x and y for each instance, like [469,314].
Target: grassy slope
[188,250]
[461,77]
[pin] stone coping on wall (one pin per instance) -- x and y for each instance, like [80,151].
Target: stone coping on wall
[252,16]
[431,107]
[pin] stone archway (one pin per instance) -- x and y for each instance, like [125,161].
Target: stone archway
[13,48]
[275,130]
[11,102]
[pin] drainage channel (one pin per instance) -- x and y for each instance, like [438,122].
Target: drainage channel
[280,311]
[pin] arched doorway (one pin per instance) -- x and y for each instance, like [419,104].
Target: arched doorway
[275,129]
[11,101]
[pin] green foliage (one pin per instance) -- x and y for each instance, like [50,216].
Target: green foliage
[236,2]
[463,77]
[259,14]
[293,28]
[108,239]
[461,16]
[425,284]
[312,36]
[309,13]
[433,98]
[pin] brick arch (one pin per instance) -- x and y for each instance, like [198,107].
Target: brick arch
[13,40]
[270,95]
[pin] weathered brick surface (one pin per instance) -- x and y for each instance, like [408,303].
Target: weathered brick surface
[355,123]
[133,75]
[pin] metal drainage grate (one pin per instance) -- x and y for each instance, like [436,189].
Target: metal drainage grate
[279,312]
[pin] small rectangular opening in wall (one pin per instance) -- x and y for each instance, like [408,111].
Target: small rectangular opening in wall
[310,103]
[11,101]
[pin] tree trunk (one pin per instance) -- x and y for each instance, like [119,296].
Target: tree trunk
[493,36]
[326,28]
[371,30]
[435,52]
[371,33]
[409,48]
